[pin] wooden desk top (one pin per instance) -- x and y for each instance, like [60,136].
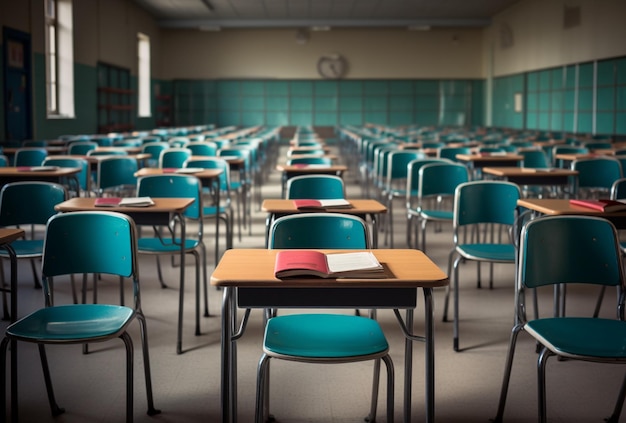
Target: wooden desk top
[175,205]
[407,268]
[489,157]
[561,206]
[99,157]
[205,173]
[571,157]
[325,155]
[359,206]
[19,172]
[8,235]
[509,171]
[311,168]
[129,150]
[51,149]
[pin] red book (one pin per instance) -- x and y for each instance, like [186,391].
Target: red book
[305,263]
[603,205]
[310,204]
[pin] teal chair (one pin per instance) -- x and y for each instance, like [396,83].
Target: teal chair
[322,338]
[556,251]
[81,148]
[222,211]
[166,243]
[566,149]
[108,152]
[83,177]
[395,183]
[480,206]
[70,249]
[596,176]
[451,152]
[116,176]
[312,160]
[436,187]
[28,204]
[154,149]
[4,160]
[241,184]
[202,148]
[29,156]
[320,187]
[412,186]
[174,157]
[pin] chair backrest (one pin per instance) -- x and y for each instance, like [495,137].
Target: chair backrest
[597,173]
[398,164]
[154,149]
[414,166]
[29,202]
[451,152]
[214,163]
[100,242]
[4,160]
[319,230]
[178,142]
[117,173]
[441,179]
[485,202]
[305,151]
[534,157]
[83,176]
[202,148]
[174,186]
[569,249]
[315,187]
[81,148]
[108,152]
[325,161]
[174,157]
[30,156]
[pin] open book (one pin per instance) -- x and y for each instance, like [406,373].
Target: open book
[123,202]
[37,168]
[336,265]
[603,205]
[306,204]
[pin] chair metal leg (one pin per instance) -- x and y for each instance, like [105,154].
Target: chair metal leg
[159,273]
[146,364]
[507,373]
[390,387]
[128,343]
[375,384]
[262,397]
[456,305]
[3,381]
[35,277]
[54,407]
[541,385]
[447,298]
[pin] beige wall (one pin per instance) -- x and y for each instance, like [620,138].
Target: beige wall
[274,53]
[540,41]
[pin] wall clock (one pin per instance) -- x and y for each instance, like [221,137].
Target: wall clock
[332,66]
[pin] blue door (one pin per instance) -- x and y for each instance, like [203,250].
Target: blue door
[17,85]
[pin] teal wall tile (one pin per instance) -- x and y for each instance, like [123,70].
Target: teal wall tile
[301,88]
[326,104]
[605,99]
[325,119]
[620,123]
[585,99]
[605,123]
[253,103]
[326,88]
[277,88]
[585,75]
[585,122]
[375,87]
[606,73]
[621,71]
[621,98]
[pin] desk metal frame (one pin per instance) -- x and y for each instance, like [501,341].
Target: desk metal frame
[242,290]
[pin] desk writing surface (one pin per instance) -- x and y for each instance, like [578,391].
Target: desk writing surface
[560,206]
[8,235]
[287,206]
[409,269]
[510,171]
[311,168]
[160,205]
[205,173]
[489,157]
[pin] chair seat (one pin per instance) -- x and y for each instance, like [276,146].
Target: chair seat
[581,336]
[437,214]
[323,336]
[164,245]
[25,248]
[77,322]
[488,252]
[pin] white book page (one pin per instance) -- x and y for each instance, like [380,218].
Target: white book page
[334,202]
[343,262]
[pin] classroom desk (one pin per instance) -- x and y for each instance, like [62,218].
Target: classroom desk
[289,171]
[562,206]
[51,149]
[15,174]
[478,160]
[254,286]
[530,176]
[276,208]
[7,236]
[159,214]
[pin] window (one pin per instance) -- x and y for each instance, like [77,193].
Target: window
[59,58]
[143,55]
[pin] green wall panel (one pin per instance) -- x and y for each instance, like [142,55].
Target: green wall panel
[605,99]
[605,123]
[620,123]
[325,104]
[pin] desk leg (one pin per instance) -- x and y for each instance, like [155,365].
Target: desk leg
[181,300]
[13,312]
[374,230]
[429,355]
[227,325]
[408,366]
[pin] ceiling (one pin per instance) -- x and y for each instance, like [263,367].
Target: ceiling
[419,14]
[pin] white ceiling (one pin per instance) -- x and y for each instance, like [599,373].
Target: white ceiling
[323,13]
